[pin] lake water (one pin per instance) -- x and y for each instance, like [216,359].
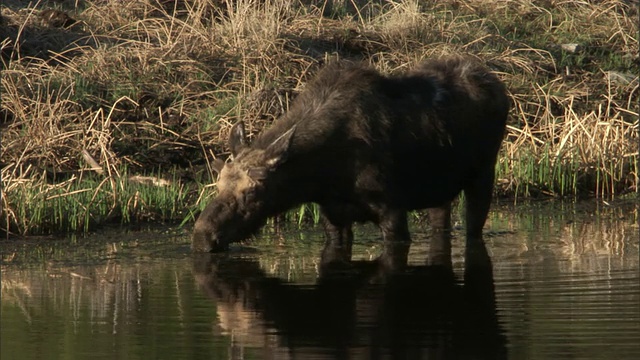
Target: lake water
[564,283]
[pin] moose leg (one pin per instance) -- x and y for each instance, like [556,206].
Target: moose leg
[478,196]
[440,244]
[339,239]
[396,240]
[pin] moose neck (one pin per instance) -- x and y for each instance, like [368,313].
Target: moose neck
[308,178]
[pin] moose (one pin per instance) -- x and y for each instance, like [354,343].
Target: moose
[367,147]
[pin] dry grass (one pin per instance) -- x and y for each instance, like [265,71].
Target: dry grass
[154,85]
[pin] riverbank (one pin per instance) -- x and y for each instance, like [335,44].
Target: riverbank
[114,111]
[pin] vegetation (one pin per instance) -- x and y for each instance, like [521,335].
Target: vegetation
[114,110]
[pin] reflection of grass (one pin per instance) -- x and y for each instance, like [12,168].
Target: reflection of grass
[143,86]
[111,300]
[568,230]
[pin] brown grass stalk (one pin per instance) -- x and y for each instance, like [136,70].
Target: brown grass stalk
[154,85]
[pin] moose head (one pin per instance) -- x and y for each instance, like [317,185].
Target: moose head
[246,185]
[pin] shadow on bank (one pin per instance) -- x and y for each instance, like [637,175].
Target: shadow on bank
[362,311]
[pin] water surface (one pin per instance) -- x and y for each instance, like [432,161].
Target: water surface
[563,284]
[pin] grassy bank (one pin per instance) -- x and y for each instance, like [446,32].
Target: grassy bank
[113,111]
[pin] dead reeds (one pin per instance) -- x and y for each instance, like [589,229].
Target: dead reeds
[151,88]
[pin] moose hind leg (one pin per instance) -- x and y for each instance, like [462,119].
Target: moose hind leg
[478,195]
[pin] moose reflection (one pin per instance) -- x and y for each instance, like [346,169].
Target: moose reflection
[364,311]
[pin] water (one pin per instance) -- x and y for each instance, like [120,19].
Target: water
[564,284]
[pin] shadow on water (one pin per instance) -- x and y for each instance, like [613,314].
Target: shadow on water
[362,311]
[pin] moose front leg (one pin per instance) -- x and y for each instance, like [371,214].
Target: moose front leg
[396,240]
[339,240]
[440,244]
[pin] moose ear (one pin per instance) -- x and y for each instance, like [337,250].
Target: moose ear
[217,165]
[278,150]
[237,138]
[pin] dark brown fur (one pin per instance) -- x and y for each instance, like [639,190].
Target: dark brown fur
[367,147]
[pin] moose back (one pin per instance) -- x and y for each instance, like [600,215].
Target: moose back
[367,147]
